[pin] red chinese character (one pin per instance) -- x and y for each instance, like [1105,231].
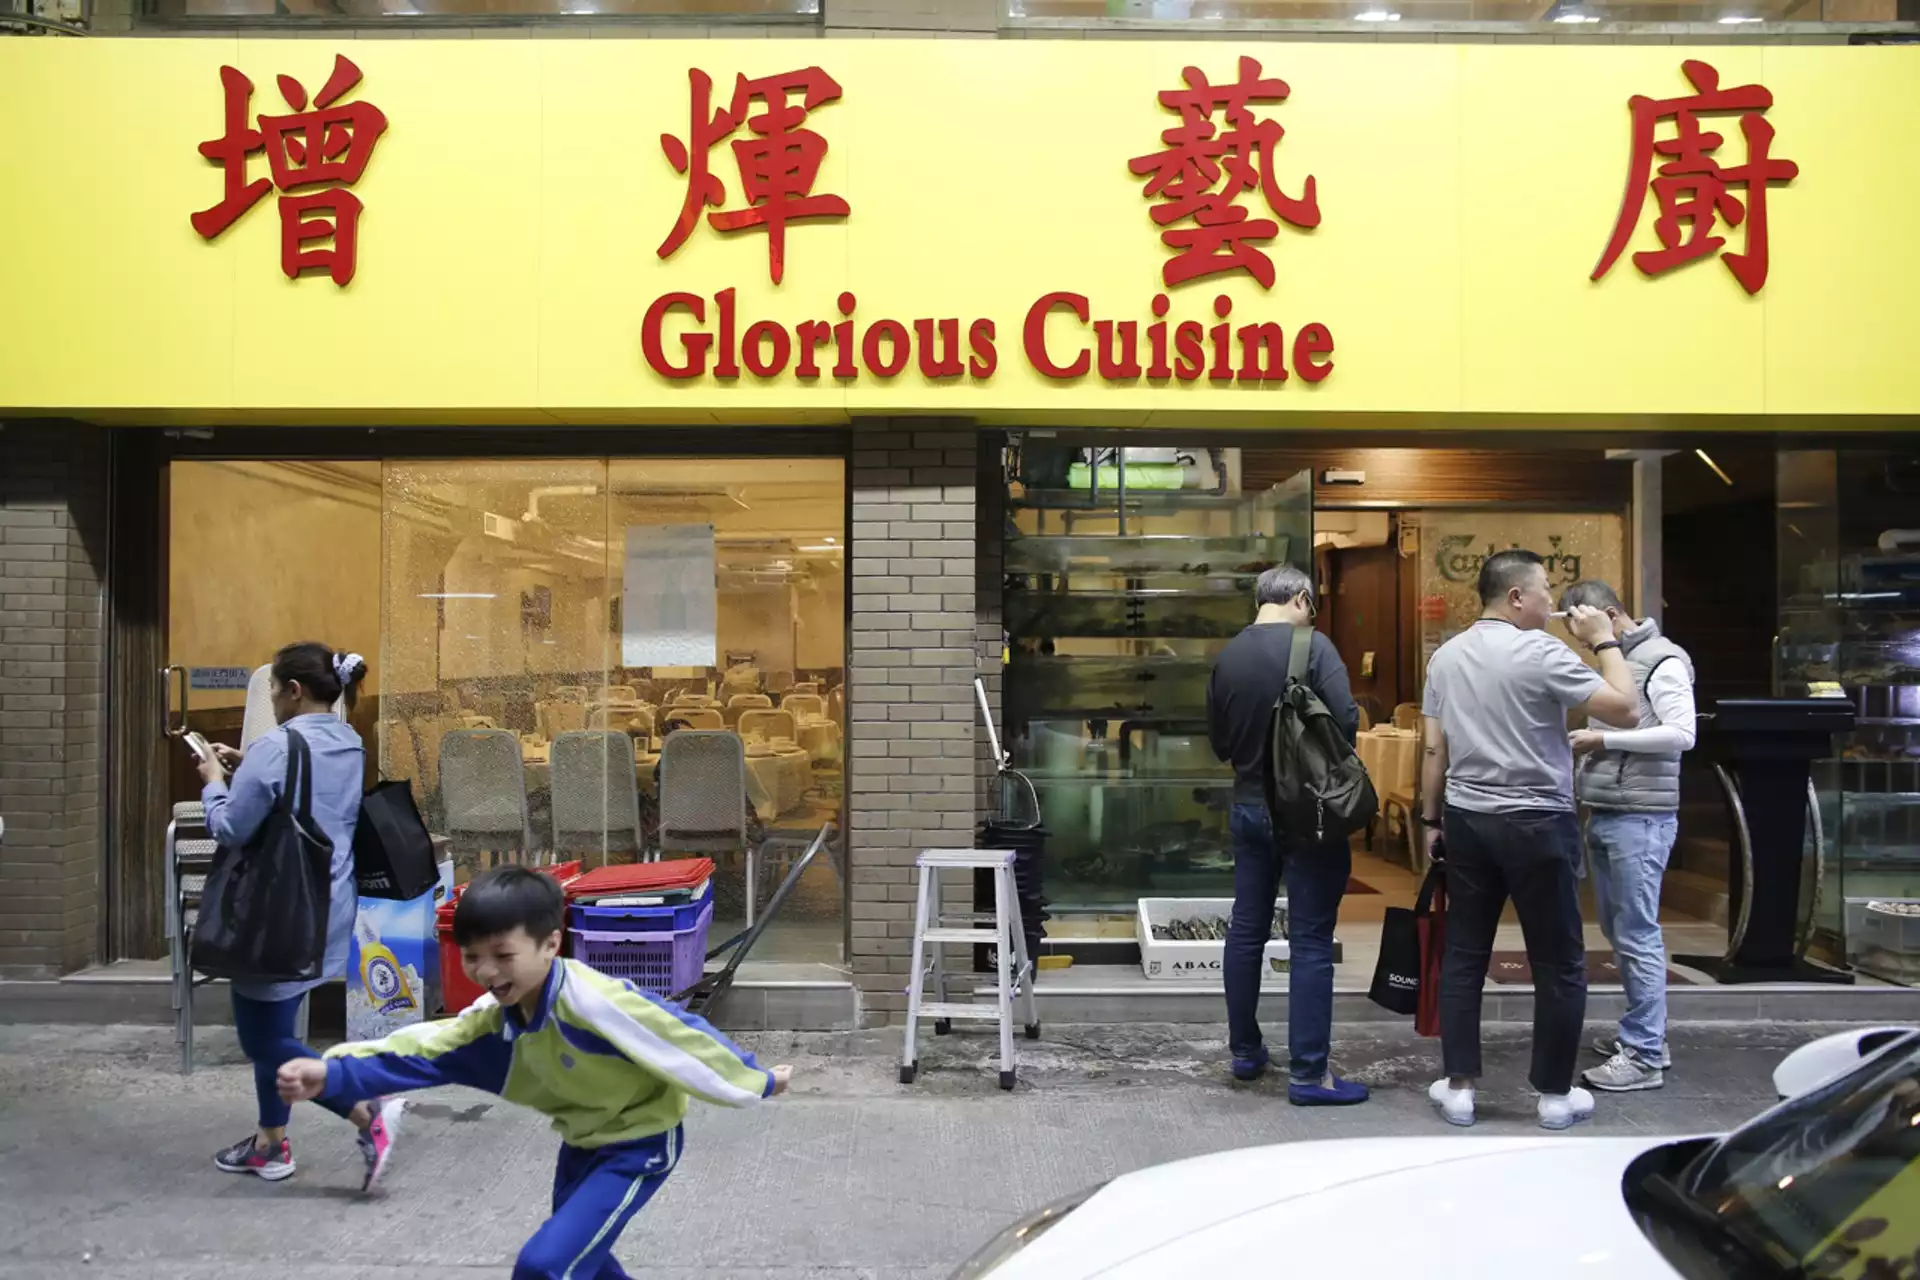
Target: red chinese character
[778,163]
[328,146]
[1692,187]
[1198,155]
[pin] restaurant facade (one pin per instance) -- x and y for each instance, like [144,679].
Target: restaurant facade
[632,385]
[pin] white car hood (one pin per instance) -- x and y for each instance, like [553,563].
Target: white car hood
[1438,1208]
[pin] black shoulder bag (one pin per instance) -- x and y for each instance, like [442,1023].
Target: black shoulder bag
[263,912]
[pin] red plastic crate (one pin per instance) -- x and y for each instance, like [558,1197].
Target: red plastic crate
[456,991]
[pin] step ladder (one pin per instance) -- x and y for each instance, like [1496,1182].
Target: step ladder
[933,930]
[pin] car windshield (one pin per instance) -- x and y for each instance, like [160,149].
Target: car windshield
[1827,1185]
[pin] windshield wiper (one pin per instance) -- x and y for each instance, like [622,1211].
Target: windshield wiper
[1678,1208]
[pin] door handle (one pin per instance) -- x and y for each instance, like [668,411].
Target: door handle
[179,677]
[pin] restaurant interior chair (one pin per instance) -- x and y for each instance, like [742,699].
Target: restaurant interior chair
[703,719]
[742,702]
[570,693]
[769,726]
[617,693]
[1406,716]
[703,800]
[556,717]
[483,787]
[802,705]
[596,796]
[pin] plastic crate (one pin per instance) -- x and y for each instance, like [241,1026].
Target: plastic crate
[658,962]
[640,919]
[456,990]
[641,878]
[1193,961]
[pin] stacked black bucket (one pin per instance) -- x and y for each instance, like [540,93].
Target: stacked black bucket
[1027,842]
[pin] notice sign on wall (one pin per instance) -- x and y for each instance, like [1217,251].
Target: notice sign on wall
[669,602]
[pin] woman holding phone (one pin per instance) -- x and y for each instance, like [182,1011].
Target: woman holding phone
[308,679]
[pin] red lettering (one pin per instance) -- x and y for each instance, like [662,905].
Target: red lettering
[1157,366]
[896,334]
[1256,341]
[1035,335]
[985,359]
[844,367]
[1123,365]
[931,362]
[724,365]
[695,343]
[757,332]
[1312,341]
[814,334]
[1221,334]
[1192,356]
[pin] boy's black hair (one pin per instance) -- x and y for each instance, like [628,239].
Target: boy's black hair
[506,898]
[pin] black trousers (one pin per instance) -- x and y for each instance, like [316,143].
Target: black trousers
[1532,856]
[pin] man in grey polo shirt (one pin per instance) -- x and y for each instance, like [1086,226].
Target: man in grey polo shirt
[1498,761]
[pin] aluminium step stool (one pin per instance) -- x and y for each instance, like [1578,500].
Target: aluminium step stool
[933,930]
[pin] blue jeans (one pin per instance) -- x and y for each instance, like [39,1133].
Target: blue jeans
[1316,879]
[266,1037]
[1630,852]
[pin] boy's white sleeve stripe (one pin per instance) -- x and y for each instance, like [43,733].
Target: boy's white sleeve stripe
[647,1046]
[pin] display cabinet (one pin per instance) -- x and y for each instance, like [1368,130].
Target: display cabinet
[1120,590]
[1850,626]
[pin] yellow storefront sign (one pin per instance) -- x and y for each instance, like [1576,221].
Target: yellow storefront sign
[589,231]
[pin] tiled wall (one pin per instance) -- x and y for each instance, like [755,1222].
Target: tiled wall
[53,492]
[911,766]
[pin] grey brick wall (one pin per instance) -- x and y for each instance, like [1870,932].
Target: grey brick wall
[911,770]
[53,494]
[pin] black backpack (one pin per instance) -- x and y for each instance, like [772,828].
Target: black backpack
[1317,789]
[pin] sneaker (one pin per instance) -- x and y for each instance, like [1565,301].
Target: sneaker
[1607,1046]
[245,1157]
[1624,1072]
[376,1142]
[1456,1105]
[1564,1110]
[1331,1091]
[1251,1068]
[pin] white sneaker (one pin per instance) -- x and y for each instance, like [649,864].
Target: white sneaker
[1564,1110]
[1456,1105]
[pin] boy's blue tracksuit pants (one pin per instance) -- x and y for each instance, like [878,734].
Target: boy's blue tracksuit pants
[596,1192]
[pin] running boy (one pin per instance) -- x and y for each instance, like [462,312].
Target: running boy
[612,1066]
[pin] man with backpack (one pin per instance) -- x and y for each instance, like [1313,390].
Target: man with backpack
[1285,824]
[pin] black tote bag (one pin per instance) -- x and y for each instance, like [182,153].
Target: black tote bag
[263,912]
[1397,975]
[392,852]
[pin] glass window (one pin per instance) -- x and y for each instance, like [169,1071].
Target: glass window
[550,625]
[1565,15]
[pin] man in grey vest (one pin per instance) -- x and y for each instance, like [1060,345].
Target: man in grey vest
[1628,777]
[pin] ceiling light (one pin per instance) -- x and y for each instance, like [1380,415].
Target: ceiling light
[1576,15]
[1736,19]
[1376,15]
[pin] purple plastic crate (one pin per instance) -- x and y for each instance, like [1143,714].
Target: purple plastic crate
[588,916]
[662,963]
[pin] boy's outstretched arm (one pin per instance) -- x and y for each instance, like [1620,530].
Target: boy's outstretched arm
[670,1042]
[465,1050]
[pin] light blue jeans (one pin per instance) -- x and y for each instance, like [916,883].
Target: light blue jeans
[1630,852]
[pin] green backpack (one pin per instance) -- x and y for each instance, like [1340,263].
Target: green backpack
[1316,786]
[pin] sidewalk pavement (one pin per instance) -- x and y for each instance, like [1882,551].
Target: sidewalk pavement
[106,1151]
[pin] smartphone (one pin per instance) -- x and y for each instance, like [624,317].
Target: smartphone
[197,745]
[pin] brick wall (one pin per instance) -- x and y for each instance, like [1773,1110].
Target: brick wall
[911,753]
[52,552]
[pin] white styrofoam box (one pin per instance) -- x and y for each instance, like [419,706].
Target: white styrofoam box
[1192,961]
